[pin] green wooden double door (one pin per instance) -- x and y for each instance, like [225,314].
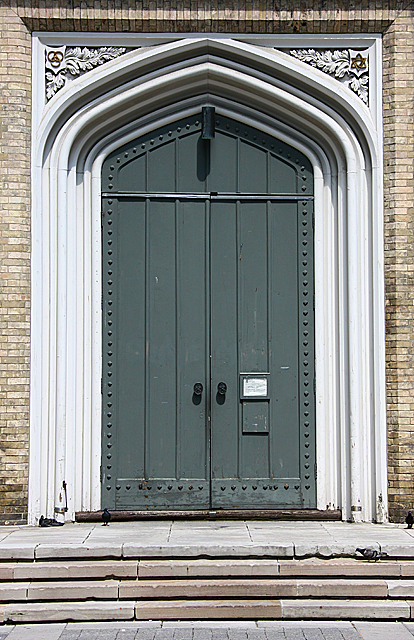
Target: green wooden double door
[208,330]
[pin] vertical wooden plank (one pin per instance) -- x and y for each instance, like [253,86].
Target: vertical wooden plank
[129,394]
[223,163]
[252,168]
[192,333]
[132,175]
[161,341]
[285,332]
[253,293]
[161,162]
[252,319]
[193,163]
[283,177]
[224,360]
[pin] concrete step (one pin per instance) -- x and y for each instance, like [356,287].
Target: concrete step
[258,588]
[204,568]
[201,588]
[71,570]
[334,567]
[206,588]
[208,610]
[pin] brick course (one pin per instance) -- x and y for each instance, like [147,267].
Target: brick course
[395,19]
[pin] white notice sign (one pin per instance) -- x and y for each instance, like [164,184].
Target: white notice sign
[255,387]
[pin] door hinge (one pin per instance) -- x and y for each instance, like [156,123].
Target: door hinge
[101,386]
[314,302]
[316,471]
[101,473]
[314,386]
[102,219]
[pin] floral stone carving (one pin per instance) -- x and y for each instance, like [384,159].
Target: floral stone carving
[65,62]
[348,66]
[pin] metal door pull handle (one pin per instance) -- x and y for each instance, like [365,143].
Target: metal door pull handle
[198,389]
[221,388]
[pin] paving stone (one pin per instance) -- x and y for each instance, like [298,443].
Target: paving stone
[183,634]
[38,612]
[164,634]
[350,634]
[237,634]
[382,630]
[326,588]
[208,588]
[35,632]
[313,634]
[76,590]
[210,609]
[207,568]
[70,570]
[202,634]
[69,634]
[275,634]
[219,634]
[101,634]
[293,634]
[256,634]
[146,634]
[332,634]
[345,609]
[126,634]
[89,634]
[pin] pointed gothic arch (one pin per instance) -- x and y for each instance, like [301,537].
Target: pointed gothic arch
[279,95]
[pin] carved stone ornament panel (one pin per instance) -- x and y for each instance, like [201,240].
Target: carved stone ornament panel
[62,63]
[346,65]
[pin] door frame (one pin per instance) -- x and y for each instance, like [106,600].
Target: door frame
[312,111]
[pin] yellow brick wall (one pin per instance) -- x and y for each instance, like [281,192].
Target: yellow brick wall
[395,19]
[15,87]
[399,258]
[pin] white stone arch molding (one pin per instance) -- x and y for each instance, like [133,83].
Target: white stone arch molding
[112,104]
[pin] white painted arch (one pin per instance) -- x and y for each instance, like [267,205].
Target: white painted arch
[122,100]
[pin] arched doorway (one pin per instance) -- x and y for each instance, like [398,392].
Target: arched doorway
[208,321]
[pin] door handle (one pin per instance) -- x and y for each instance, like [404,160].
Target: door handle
[221,388]
[198,389]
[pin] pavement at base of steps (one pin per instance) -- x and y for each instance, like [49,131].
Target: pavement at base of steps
[223,630]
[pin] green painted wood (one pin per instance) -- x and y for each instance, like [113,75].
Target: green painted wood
[204,290]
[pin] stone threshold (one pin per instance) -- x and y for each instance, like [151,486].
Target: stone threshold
[221,514]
